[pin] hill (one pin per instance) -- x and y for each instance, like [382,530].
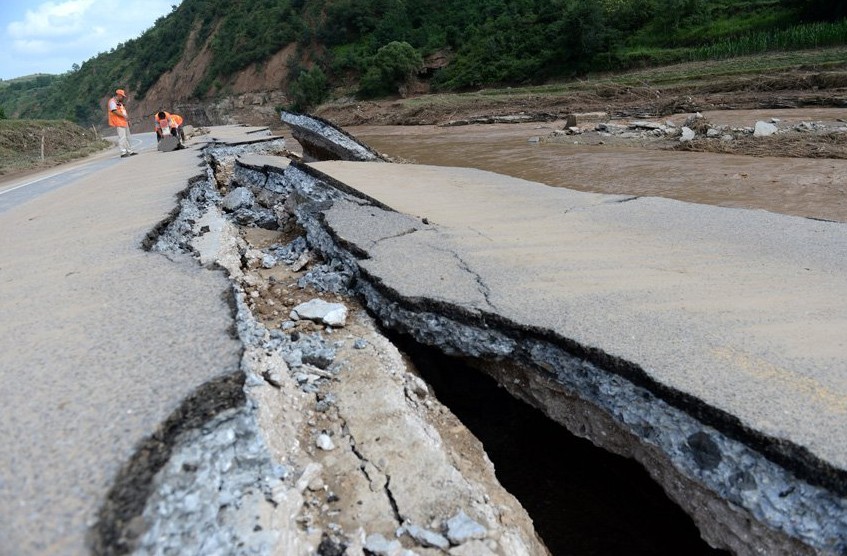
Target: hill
[210,57]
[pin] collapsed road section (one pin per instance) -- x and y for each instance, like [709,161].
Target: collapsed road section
[483,273]
[706,343]
[326,441]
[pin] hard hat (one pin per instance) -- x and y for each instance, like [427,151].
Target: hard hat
[120,92]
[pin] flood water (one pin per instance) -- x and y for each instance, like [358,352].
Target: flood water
[813,188]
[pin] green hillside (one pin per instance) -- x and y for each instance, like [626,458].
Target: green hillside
[371,47]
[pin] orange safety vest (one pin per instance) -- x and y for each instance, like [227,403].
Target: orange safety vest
[170,120]
[115,120]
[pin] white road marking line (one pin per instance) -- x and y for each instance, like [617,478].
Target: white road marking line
[30,183]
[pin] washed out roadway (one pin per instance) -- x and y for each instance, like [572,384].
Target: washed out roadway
[100,341]
[743,310]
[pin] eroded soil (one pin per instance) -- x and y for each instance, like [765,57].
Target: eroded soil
[793,172]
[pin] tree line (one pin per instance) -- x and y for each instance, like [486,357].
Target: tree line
[371,47]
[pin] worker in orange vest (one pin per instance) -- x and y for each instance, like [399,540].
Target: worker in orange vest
[119,120]
[166,122]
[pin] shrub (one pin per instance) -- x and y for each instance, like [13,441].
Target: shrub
[392,66]
[308,90]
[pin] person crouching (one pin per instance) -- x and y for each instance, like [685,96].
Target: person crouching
[166,122]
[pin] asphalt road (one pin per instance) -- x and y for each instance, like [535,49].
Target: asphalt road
[99,340]
[743,310]
[18,191]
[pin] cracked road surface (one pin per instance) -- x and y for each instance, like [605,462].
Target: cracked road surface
[99,342]
[742,310]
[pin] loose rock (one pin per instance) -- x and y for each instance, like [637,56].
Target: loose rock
[424,537]
[318,310]
[461,528]
[240,197]
[764,129]
[324,442]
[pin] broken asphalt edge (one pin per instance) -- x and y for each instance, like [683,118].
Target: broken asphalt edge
[113,531]
[159,495]
[613,390]
[703,444]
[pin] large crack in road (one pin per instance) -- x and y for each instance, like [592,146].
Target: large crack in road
[321,400]
[270,473]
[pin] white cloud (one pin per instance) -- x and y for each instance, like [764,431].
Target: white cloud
[33,46]
[52,20]
[52,36]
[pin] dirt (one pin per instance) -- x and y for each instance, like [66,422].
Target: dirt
[792,89]
[22,141]
[377,412]
[789,89]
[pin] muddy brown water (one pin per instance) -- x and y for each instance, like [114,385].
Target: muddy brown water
[813,188]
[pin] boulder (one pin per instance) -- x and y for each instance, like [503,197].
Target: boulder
[764,129]
[688,134]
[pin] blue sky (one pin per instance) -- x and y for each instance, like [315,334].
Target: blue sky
[50,36]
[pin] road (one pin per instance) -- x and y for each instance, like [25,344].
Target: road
[100,340]
[17,191]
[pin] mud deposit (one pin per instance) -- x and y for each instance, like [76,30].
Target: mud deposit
[814,188]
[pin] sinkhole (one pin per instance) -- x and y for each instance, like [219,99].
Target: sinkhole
[583,500]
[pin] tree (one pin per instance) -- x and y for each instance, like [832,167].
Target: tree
[391,67]
[2,113]
[309,89]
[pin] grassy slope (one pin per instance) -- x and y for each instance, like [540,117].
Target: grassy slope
[20,143]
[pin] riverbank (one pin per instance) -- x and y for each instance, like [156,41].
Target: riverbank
[776,82]
[638,164]
[808,78]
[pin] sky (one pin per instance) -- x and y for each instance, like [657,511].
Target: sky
[50,36]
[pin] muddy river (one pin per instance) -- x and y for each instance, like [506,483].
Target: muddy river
[814,188]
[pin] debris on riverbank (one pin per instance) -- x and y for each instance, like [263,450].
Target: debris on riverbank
[806,139]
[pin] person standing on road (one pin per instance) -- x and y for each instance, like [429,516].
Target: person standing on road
[119,120]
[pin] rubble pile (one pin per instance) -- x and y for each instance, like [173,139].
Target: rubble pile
[696,126]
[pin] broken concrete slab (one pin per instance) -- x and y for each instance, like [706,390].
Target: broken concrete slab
[101,342]
[168,143]
[340,421]
[659,315]
[321,140]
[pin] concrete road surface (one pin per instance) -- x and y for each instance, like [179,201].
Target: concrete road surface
[743,310]
[99,340]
